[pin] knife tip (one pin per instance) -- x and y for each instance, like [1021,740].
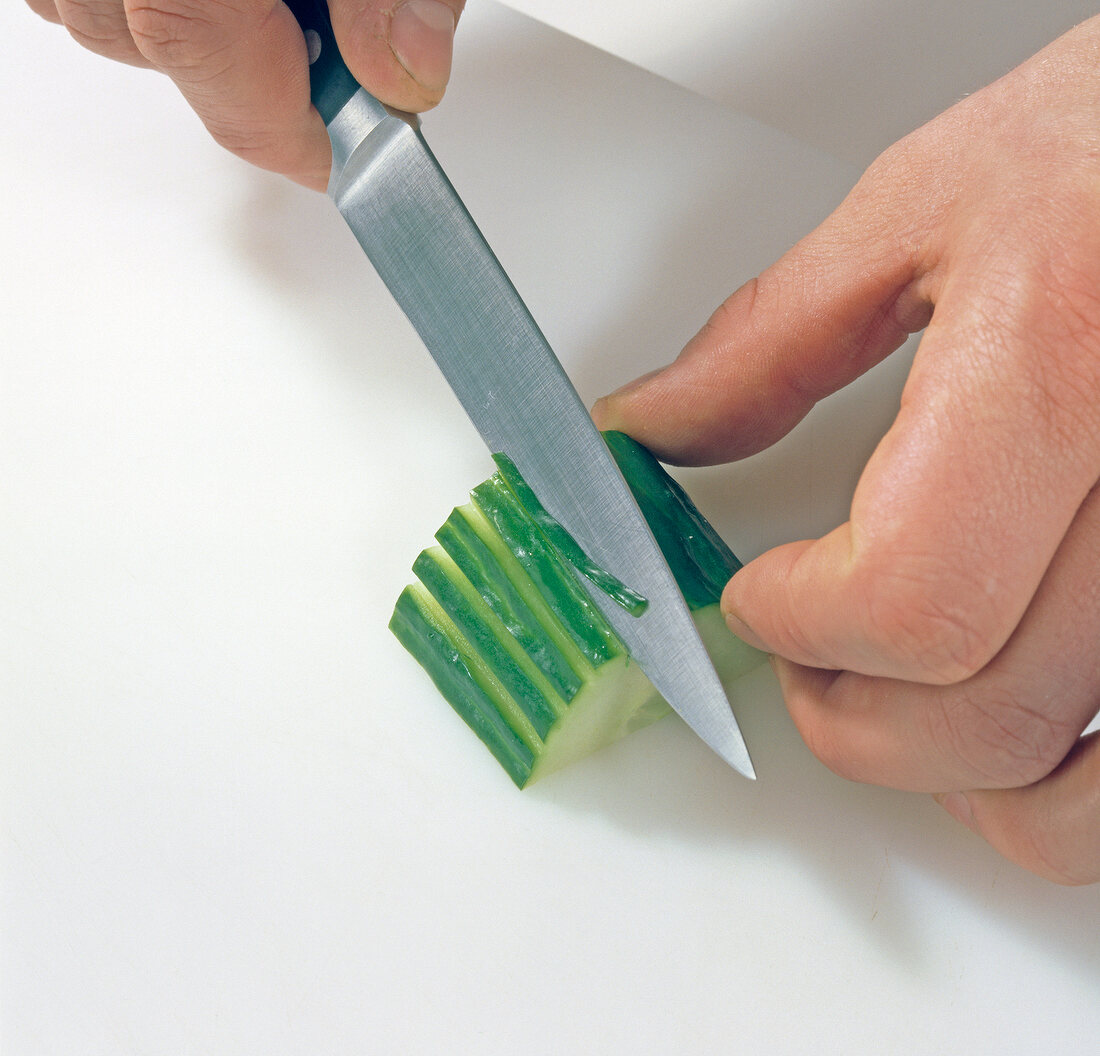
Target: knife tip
[733,750]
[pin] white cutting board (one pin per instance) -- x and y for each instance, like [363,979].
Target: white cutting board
[847,76]
[237,819]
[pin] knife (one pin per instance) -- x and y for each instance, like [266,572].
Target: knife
[428,251]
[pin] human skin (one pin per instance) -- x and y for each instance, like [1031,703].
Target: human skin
[946,638]
[241,64]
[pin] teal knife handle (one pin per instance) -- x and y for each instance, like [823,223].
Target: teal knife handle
[331,84]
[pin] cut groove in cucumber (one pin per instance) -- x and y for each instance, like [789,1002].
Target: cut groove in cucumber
[503,626]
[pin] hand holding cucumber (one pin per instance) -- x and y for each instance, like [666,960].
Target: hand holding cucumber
[241,64]
[947,638]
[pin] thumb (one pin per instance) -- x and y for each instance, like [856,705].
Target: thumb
[399,52]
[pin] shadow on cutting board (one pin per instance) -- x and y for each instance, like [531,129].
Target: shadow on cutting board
[858,843]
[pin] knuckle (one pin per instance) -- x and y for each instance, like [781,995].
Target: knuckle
[245,142]
[732,315]
[46,9]
[1005,742]
[179,36]
[97,25]
[932,634]
[258,146]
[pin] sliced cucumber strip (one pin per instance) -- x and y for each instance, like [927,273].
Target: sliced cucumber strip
[513,641]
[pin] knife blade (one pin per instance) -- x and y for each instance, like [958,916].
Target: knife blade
[425,246]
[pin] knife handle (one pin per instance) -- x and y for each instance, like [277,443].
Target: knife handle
[331,84]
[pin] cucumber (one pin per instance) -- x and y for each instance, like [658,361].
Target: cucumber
[501,623]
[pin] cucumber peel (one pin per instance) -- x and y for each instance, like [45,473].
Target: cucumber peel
[504,628]
[565,544]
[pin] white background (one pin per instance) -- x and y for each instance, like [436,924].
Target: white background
[237,819]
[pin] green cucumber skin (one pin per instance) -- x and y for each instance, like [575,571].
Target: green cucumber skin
[481,567]
[512,640]
[553,577]
[562,541]
[701,562]
[486,639]
[443,659]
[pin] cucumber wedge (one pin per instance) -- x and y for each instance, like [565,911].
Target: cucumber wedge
[501,623]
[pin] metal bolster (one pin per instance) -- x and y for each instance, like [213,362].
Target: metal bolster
[351,131]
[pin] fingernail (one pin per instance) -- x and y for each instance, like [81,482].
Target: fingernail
[958,806]
[422,38]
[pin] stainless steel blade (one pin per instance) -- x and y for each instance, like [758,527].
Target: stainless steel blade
[414,228]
